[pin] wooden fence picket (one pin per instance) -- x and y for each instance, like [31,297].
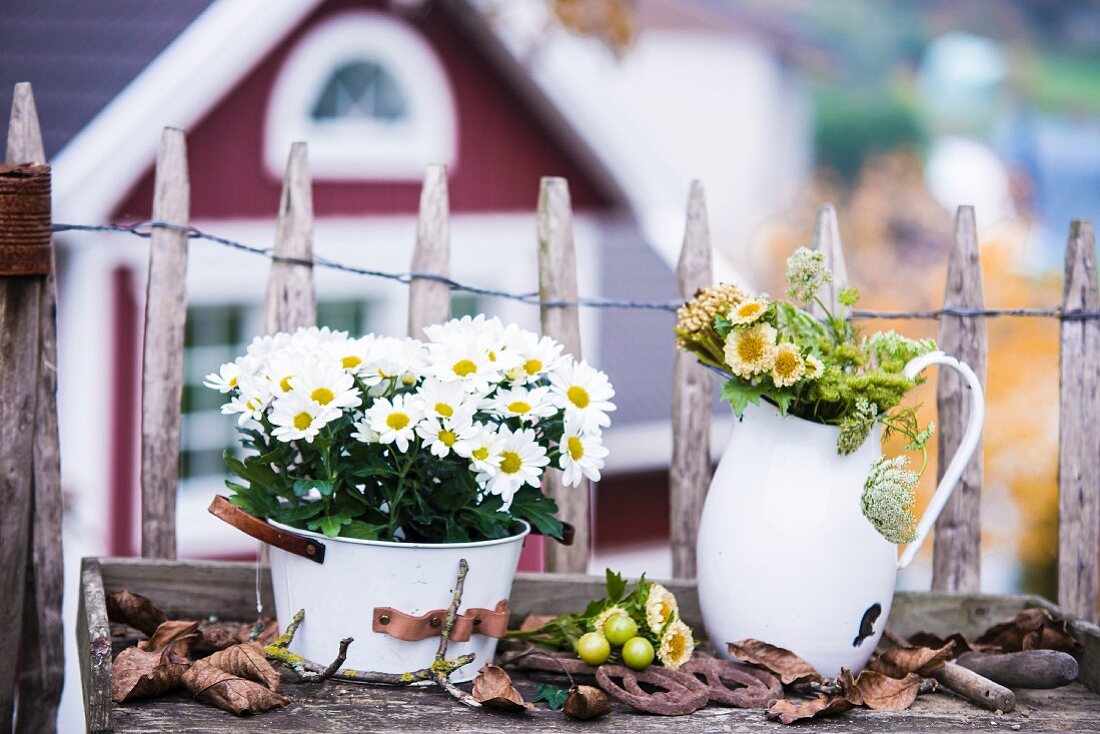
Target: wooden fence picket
[827,241]
[956,549]
[1079,441]
[291,303]
[430,300]
[558,282]
[692,397]
[42,648]
[162,364]
[20,305]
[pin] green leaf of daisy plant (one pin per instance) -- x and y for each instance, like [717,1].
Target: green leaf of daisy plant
[739,394]
[616,585]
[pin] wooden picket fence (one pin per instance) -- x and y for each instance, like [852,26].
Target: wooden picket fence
[30,516]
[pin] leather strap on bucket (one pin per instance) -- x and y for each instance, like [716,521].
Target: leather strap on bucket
[299,545]
[490,623]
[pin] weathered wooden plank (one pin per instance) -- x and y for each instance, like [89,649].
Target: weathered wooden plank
[20,305]
[343,707]
[429,300]
[558,283]
[162,366]
[956,560]
[692,397]
[291,303]
[93,643]
[1079,441]
[827,241]
[42,672]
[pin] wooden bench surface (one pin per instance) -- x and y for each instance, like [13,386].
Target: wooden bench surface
[189,589]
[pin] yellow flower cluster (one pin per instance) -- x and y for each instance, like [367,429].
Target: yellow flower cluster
[697,315]
[662,615]
[695,330]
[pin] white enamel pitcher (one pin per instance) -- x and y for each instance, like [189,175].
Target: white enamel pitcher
[785,554]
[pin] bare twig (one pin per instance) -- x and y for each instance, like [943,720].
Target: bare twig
[442,674]
[439,672]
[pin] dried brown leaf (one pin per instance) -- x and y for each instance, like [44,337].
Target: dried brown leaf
[212,685]
[586,702]
[901,661]
[848,685]
[141,673]
[534,621]
[214,636]
[883,693]
[934,641]
[1031,629]
[246,660]
[790,668]
[175,633]
[126,607]
[788,711]
[493,688]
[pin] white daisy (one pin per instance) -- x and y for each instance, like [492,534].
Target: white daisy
[585,393]
[225,379]
[530,406]
[466,329]
[295,417]
[281,366]
[521,462]
[327,384]
[308,338]
[394,420]
[582,455]
[392,361]
[252,398]
[444,436]
[350,354]
[447,400]
[535,356]
[483,450]
[465,363]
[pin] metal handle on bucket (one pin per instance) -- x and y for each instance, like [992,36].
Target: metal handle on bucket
[248,524]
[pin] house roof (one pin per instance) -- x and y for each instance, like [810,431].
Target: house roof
[81,55]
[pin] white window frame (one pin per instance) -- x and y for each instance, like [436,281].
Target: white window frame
[356,149]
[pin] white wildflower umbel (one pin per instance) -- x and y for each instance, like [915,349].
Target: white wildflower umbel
[806,274]
[888,497]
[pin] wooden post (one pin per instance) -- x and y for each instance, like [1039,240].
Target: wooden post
[42,672]
[558,282]
[1079,441]
[429,300]
[162,366]
[827,241]
[956,562]
[290,301]
[689,471]
[20,306]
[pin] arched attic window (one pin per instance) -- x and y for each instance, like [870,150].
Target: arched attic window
[369,95]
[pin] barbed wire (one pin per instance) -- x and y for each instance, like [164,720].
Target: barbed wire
[145,229]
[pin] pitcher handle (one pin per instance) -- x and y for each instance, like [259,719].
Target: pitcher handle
[969,443]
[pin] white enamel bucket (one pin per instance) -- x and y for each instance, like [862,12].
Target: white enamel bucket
[340,595]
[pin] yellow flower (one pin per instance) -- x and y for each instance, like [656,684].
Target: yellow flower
[677,645]
[814,368]
[612,611]
[660,606]
[788,367]
[750,351]
[748,311]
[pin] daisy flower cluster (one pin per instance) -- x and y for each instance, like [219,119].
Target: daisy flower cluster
[445,439]
[653,612]
[818,369]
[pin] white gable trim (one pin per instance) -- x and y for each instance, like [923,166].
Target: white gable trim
[182,84]
[363,149]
